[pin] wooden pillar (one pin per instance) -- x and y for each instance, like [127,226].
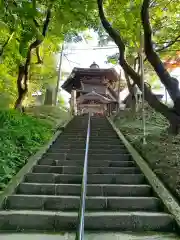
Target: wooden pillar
[117,107]
[110,108]
[73,102]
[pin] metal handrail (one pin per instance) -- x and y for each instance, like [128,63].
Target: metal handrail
[80,229]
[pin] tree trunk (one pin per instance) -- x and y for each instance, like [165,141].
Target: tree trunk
[131,98]
[22,88]
[170,114]
[22,80]
[170,83]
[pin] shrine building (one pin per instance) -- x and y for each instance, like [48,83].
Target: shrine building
[93,90]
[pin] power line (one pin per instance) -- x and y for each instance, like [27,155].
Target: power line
[92,48]
[65,55]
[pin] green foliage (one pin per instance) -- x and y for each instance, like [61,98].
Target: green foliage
[125,18]
[22,135]
[113,58]
[22,22]
[164,17]
[39,74]
[166,25]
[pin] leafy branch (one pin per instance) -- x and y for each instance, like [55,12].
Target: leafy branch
[169,44]
[170,83]
[149,96]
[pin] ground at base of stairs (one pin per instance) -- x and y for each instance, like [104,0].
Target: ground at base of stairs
[91,236]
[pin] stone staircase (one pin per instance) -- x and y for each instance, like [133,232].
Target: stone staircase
[118,196]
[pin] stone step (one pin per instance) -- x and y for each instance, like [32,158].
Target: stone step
[101,120]
[83,135]
[83,141]
[105,140]
[91,163]
[79,170]
[91,145]
[92,190]
[99,123]
[118,196]
[76,127]
[94,235]
[93,142]
[93,131]
[93,127]
[75,136]
[71,203]
[92,178]
[100,221]
[96,124]
[82,151]
[92,136]
[69,156]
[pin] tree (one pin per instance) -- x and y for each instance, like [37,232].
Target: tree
[28,23]
[170,83]
[125,17]
[170,114]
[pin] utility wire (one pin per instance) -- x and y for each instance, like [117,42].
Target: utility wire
[92,48]
[65,55]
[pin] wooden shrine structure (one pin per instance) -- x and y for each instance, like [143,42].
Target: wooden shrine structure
[92,90]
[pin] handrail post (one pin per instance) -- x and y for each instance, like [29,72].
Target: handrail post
[80,228]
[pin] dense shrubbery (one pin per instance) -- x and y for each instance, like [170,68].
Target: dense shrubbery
[20,136]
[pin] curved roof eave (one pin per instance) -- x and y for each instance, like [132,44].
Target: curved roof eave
[88,70]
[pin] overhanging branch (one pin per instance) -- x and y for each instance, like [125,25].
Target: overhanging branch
[112,32]
[149,96]
[171,84]
[46,22]
[37,42]
[169,44]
